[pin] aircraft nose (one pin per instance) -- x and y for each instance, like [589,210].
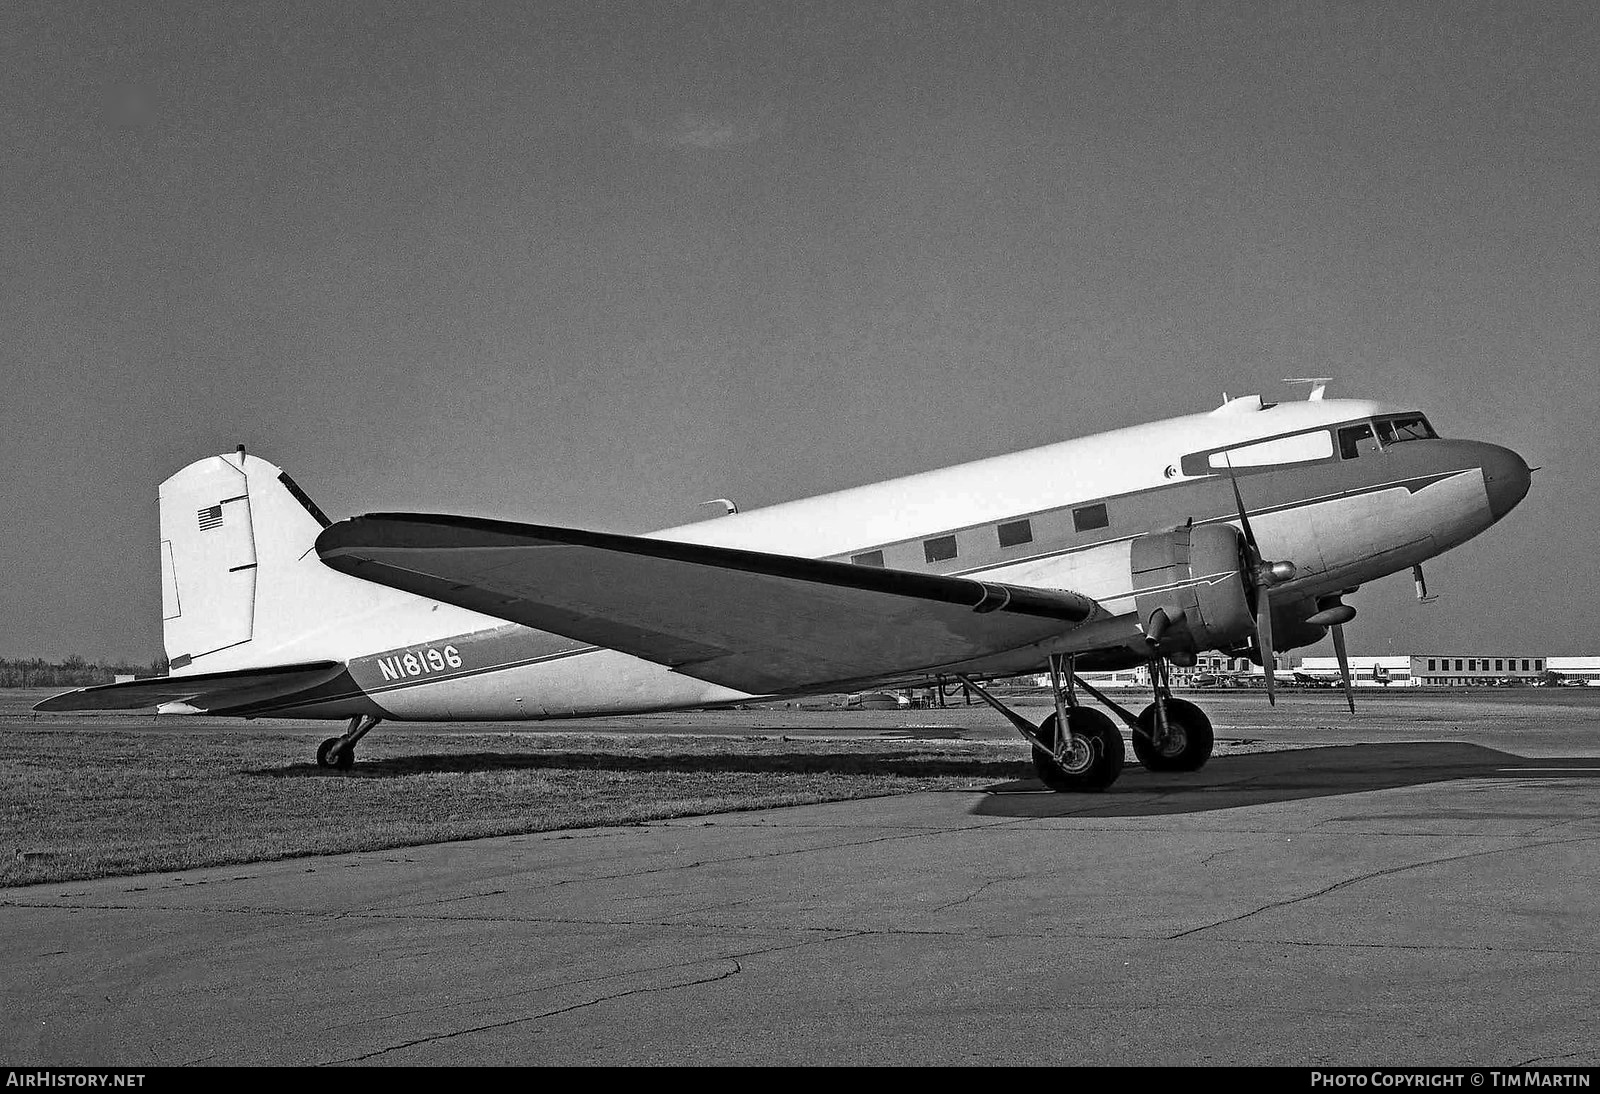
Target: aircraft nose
[1506,477]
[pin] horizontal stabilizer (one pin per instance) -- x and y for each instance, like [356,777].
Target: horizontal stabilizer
[761,623]
[203,690]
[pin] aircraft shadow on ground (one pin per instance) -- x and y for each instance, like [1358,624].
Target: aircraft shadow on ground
[1229,782]
[902,764]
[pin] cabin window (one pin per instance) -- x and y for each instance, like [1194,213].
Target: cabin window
[1458,664]
[1524,664]
[1089,518]
[1430,664]
[939,549]
[868,558]
[1356,440]
[1412,427]
[1016,533]
[1538,663]
[1296,448]
[1498,664]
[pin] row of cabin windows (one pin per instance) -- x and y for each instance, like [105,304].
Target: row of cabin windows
[1011,534]
[1481,664]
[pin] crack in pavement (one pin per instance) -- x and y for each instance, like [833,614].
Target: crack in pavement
[1347,882]
[1549,1059]
[737,969]
[580,981]
[1421,947]
[1048,931]
[977,892]
[786,852]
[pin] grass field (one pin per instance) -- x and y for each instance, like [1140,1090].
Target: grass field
[99,802]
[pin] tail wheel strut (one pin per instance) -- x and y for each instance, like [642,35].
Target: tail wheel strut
[340,752]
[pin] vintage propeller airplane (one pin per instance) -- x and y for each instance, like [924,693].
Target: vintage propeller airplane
[1238,530]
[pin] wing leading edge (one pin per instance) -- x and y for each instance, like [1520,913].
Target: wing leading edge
[761,623]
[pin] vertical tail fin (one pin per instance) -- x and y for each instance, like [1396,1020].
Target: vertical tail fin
[208,559]
[241,586]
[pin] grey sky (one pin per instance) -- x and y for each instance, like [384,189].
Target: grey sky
[590,264]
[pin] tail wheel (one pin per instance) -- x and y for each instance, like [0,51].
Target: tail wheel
[1188,743]
[342,759]
[1094,759]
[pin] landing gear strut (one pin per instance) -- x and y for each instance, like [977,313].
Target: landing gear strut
[1087,756]
[340,752]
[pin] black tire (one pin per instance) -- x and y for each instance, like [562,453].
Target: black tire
[1189,740]
[1097,767]
[343,761]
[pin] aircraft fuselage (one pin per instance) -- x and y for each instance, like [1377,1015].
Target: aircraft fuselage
[1347,491]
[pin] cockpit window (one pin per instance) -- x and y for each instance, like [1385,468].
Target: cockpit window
[1356,440]
[1411,427]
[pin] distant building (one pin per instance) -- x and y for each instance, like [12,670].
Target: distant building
[1389,670]
[1583,669]
[1440,670]
[1453,671]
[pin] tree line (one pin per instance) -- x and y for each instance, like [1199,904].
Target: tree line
[74,672]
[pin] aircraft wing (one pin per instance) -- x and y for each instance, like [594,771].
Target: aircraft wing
[201,690]
[761,623]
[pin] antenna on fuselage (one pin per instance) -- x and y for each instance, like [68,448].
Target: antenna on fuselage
[728,505]
[1319,385]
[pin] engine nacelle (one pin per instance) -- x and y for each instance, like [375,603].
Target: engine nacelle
[1191,588]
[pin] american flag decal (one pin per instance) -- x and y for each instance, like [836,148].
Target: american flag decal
[211,518]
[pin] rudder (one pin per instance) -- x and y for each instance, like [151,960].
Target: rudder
[208,559]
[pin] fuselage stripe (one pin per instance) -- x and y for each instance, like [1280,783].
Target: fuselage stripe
[359,692]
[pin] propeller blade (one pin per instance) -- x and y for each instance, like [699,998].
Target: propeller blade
[1244,517]
[1264,640]
[1344,664]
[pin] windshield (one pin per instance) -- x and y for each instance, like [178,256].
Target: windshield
[1357,440]
[1408,427]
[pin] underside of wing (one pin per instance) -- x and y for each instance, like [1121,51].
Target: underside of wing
[201,691]
[761,623]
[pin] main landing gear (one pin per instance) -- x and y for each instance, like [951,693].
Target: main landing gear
[340,752]
[1091,758]
[1169,735]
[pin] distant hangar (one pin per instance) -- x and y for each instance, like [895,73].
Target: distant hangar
[1452,670]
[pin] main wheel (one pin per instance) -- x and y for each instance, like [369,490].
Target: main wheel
[342,759]
[1092,763]
[1188,743]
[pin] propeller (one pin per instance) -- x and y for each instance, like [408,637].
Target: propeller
[1263,575]
[1333,613]
[1344,665]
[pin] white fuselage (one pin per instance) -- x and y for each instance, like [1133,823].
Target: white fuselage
[1343,509]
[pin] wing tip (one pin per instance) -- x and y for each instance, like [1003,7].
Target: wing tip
[68,701]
